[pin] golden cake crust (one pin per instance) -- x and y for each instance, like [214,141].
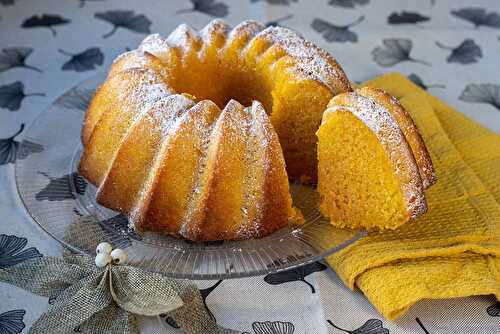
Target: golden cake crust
[410,130]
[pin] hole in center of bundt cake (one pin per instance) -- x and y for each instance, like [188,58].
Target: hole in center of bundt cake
[221,83]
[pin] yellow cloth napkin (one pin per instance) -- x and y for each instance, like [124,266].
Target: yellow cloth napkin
[454,249]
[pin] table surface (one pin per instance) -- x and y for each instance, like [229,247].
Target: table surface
[447,53]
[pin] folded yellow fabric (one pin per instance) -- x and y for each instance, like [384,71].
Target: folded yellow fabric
[454,249]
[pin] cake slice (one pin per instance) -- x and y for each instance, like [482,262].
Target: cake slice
[367,174]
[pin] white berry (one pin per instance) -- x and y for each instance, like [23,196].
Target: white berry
[103,248]
[119,256]
[102,259]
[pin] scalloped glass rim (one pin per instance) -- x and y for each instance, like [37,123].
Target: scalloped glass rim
[64,206]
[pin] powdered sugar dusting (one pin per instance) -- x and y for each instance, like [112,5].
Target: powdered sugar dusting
[127,54]
[313,62]
[165,112]
[215,27]
[246,28]
[183,37]
[154,44]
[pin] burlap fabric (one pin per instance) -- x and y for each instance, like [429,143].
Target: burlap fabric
[107,300]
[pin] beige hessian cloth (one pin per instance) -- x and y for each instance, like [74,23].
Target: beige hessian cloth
[454,249]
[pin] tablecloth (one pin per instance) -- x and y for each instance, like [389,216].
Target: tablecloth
[452,48]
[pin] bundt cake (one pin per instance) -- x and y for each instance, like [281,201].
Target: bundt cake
[166,142]
[368,176]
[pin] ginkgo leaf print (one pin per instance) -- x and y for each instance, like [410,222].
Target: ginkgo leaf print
[372,326]
[12,252]
[16,57]
[61,188]
[406,17]
[465,53]
[76,98]
[11,322]
[482,93]
[277,2]
[419,82]
[213,8]
[295,274]
[84,61]
[126,19]
[277,22]
[494,310]
[334,33]
[11,95]
[9,148]
[273,327]
[395,50]
[348,3]
[478,17]
[46,21]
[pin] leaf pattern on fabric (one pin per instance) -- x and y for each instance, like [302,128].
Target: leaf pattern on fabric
[12,252]
[494,310]
[126,19]
[465,53]
[76,98]
[395,50]
[9,148]
[272,327]
[83,2]
[407,17]
[478,17]
[84,61]
[277,22]
[12,322]
[11,95]
[277,2]
[482,93]
[213,8]
[61,188]
[372,326]
[46,21]
[16,57]
[334,33]
[348,3]
[295,274]
[419,82]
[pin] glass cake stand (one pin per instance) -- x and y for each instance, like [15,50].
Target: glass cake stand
[64,205]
